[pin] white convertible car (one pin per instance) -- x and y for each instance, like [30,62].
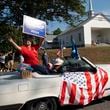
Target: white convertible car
[46,92]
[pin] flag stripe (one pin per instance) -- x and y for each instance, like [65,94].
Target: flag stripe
[101,84]
[77,97]
[103,80]
[82,97]
[97,86]
[72,94]
[89,86]
[63,91]
[93,85]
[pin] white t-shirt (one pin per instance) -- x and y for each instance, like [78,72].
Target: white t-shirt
[21,59]
[2,58]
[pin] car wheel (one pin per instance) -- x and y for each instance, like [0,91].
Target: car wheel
[43,104]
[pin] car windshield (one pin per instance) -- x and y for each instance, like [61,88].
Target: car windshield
[73,65]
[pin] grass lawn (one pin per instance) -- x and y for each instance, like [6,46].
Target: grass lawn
[94,54]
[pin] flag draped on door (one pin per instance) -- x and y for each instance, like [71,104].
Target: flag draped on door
[80,88]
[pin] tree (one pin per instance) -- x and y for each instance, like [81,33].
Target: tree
[57,31]
[12,11]
[16,33]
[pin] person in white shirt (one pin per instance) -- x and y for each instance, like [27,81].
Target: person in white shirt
[2,60]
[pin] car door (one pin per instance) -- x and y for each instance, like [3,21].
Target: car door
[14,90]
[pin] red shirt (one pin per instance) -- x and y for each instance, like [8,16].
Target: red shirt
[30,54]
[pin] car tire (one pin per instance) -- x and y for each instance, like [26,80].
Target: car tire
[43,104]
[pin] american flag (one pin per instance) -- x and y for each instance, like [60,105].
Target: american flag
[80,88]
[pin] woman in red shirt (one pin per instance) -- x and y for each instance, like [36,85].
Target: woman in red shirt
[30,53]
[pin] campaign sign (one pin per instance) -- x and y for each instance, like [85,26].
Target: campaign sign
[33,26]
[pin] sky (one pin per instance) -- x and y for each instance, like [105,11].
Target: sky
[102,6]
[99,6]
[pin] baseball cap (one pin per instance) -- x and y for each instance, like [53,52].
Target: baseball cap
[58,61]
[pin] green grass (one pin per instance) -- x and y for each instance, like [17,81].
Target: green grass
[94,54]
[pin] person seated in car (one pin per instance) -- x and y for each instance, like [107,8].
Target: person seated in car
[44,56]
[56,67]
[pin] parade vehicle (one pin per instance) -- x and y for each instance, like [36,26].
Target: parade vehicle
[48,91]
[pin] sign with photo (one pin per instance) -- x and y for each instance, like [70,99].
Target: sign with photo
[34,27]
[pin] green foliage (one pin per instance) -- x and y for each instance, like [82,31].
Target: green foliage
[12,11]
[15,33]
[47,10]
[57,31]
